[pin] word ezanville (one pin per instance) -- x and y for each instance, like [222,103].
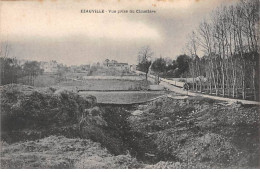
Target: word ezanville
[115,11]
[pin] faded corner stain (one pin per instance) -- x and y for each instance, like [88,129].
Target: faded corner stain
[13,0]
[41,1]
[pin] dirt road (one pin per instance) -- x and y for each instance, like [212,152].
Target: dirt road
[184,92]
[181,91]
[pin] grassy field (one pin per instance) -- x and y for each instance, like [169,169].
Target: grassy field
[44,80]
[130,78]
[111,84]
[100,72]
[123,97]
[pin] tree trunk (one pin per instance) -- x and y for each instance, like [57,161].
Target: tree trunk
[210,87]
[234,85]
[255,76]
[200,86]
[223,81]
[243,80]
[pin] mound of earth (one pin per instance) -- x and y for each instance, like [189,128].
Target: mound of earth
[199,133]
[30,113]
[61,152]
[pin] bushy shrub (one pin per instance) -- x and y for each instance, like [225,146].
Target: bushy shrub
[24,107]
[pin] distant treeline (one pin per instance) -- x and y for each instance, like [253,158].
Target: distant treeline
[14,72]
[11,71]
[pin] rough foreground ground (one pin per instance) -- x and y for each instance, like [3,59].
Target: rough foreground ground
[200,133]
[48,128]
[62,152]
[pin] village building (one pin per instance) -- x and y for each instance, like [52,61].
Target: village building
[116,64]
[49,67]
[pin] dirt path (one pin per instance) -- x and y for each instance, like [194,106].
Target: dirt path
[181,91]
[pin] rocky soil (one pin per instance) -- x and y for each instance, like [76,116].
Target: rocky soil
[199,133]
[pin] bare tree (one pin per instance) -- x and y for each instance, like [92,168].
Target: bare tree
[144,59]
[107,61]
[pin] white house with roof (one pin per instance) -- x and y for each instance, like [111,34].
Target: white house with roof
[115,64]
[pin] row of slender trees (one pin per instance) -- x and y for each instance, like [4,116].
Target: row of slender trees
[229,41]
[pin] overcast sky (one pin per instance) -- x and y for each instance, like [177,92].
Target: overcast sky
[57,30]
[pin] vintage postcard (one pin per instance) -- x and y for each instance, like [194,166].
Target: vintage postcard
[120,84]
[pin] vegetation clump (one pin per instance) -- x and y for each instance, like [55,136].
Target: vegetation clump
[39,112]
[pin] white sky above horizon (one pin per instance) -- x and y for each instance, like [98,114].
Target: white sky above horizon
[56,30]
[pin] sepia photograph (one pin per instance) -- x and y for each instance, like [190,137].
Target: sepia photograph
[120,84]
